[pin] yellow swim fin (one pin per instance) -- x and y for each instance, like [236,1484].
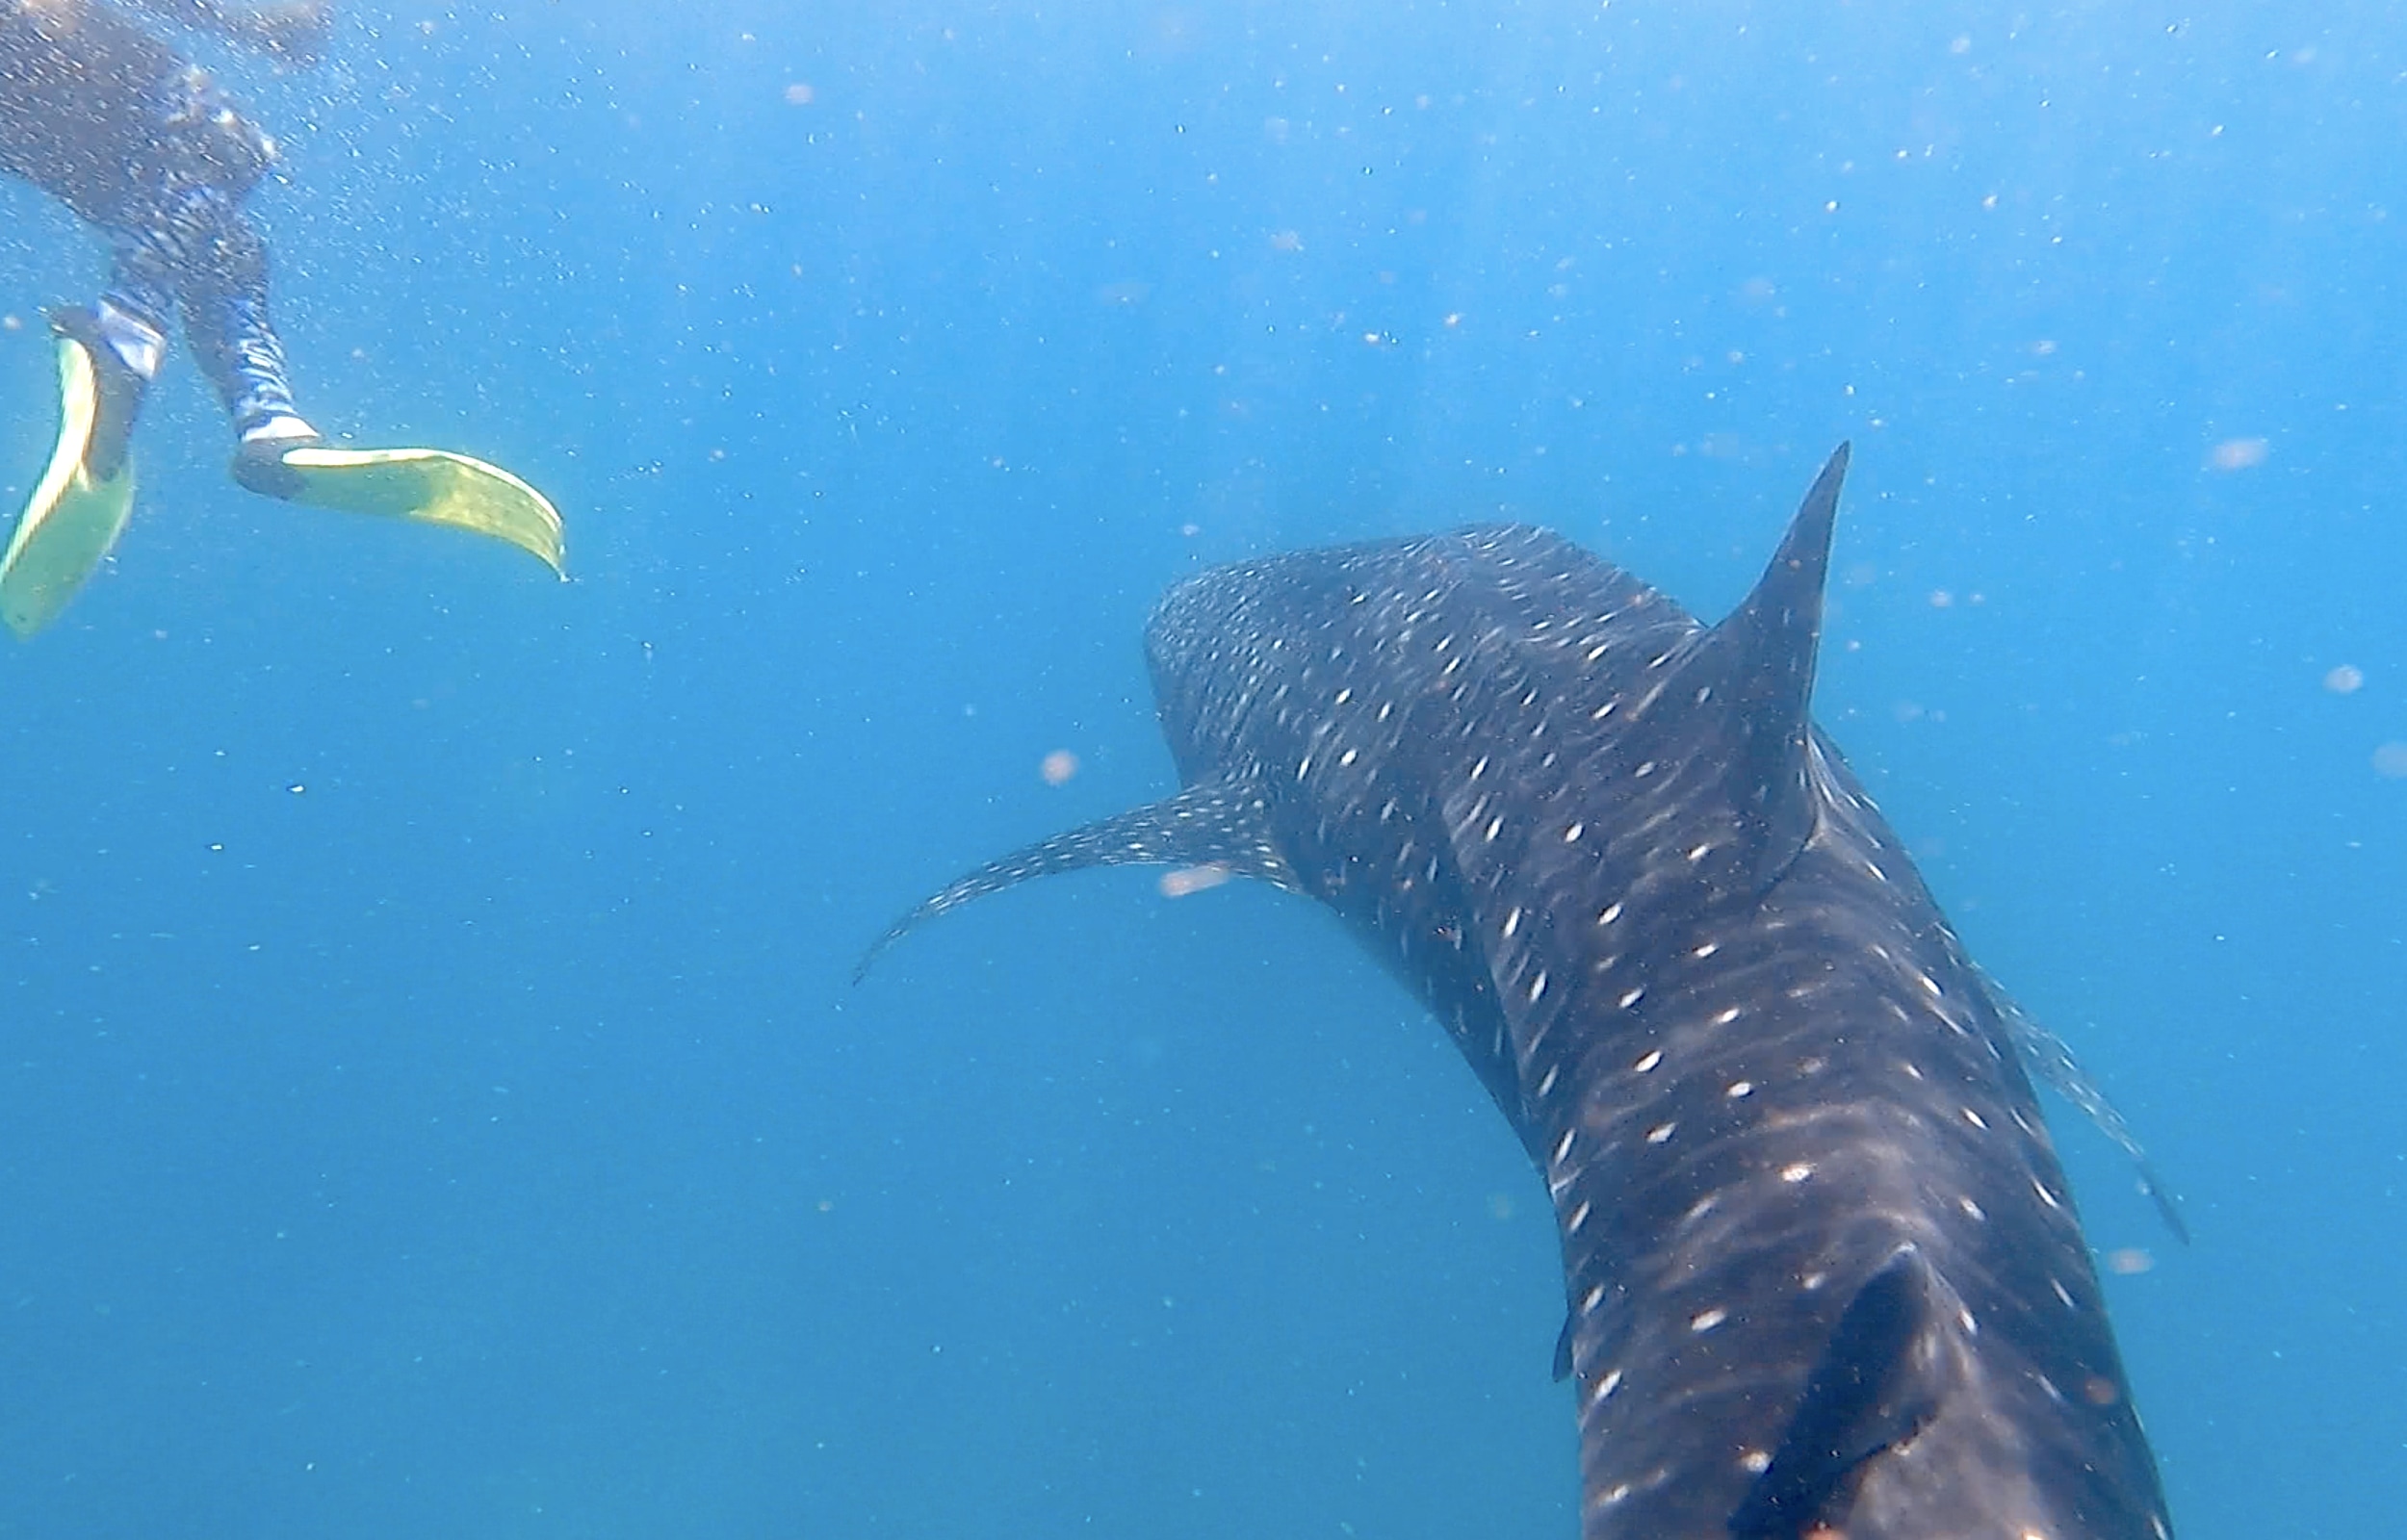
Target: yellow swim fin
[432,486]
[72,519]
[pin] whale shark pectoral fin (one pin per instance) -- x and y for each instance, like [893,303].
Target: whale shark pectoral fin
[2049,1059]
[1563,1343]
[1219,823]
[1873,1389]
[1760,662]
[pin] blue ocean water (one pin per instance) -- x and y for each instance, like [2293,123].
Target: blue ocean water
[433,1101]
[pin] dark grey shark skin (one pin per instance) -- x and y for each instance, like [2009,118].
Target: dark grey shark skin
[1824,1278]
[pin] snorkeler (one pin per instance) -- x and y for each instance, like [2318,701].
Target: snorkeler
[142,145]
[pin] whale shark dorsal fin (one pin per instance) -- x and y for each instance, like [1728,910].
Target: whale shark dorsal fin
[1875,1385]
[1219,822]
[1760,661]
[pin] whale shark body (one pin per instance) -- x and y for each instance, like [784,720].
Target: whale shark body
[1824,1276]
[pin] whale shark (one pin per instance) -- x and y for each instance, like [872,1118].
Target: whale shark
[1823,1274]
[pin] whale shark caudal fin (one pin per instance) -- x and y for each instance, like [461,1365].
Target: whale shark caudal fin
[1876,1384]
[1759,663]
[1212,823]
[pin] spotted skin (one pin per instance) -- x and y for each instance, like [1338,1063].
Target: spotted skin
[1825,1276]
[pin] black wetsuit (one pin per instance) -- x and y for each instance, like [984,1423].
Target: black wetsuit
[143,146]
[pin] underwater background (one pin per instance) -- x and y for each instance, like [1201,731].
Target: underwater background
[433,1097]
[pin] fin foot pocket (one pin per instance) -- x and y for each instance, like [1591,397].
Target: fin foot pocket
[73,518]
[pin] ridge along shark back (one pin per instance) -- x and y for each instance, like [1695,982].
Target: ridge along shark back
[1824,1276]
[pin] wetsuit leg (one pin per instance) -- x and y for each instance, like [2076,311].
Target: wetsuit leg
[188,245]
[225,315]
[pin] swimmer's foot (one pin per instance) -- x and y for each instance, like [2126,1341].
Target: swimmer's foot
[259,461]
[117,385]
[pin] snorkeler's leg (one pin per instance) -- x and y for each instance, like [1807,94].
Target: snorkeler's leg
[125,351]
[225,315]
[127,340]
[205,162]
[107,355]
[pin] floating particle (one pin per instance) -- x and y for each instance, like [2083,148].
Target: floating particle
[2237,454]
[800,94]
[1193,880]
[2391,760]
[1059,767]
[2346,679]
[2129,1261]
[1941,598]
